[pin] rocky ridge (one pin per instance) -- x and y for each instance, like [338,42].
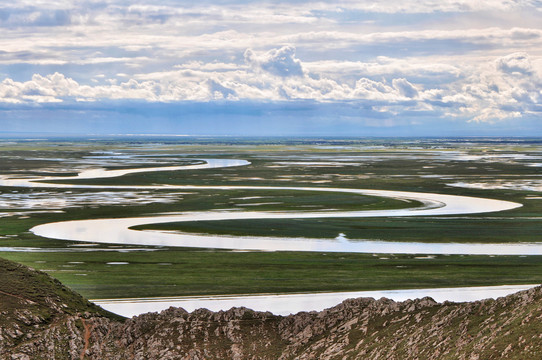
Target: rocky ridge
[364,328]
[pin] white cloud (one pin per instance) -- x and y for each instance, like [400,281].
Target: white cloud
[515,63]
[405,88]
[433,69]
[391,56]
[430,6]
[280,62]
[506,87]
[475,36]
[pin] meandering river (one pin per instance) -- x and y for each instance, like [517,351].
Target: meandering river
[119,231]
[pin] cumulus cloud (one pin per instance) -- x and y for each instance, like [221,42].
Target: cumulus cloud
[515,63]
[234,51]
[507,87]
[405,88]
[280,62]
[218,90]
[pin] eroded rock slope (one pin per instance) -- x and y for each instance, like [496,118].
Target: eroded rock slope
[62,325]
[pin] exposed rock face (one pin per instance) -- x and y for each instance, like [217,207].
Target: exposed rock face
[506,328]
[31,303]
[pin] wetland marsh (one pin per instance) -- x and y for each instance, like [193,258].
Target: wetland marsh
[285,187]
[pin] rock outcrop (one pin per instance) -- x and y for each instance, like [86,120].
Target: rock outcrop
[364,328]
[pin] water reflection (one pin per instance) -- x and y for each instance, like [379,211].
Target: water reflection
[294,303]
[117,230]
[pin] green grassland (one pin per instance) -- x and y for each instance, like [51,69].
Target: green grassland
[177,272]
[428,165]
[423,229]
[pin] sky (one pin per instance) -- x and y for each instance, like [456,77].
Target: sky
[272,68]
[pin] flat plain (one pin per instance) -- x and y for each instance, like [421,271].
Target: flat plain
[504,169]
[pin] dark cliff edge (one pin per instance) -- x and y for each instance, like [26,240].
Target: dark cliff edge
[41,319]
